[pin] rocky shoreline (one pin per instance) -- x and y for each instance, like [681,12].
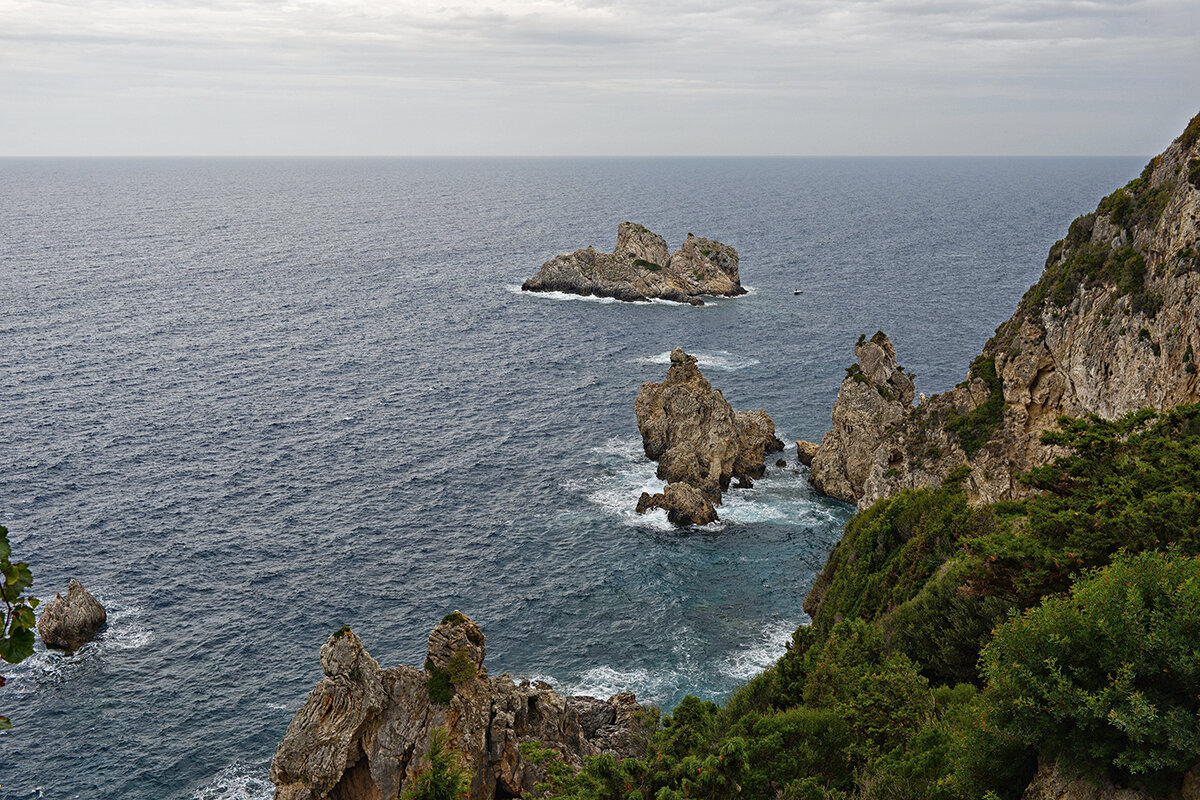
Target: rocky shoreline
[365,732]
[641,268]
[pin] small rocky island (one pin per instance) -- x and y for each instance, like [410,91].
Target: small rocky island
[699,442]
[641,269]
[365,732]
[68,623]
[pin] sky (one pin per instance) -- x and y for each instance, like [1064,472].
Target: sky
[596,77]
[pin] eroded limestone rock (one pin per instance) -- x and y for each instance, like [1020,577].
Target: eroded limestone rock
[640,269]
[364,732]
[68,623]
[699,441]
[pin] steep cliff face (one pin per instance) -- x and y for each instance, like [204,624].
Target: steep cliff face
[364,732]
[641,268]
[1112,326]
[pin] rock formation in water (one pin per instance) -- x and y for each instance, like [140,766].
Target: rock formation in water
[1112,326]
[699,442]
[364,731]
[640,269]
[68,623]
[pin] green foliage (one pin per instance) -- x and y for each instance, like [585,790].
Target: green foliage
[890,550]
[438,683]
[444,778]
[455,618]
[975,428]
[1191,133]
[1107,675]
[16,621]
[1194,172]
[1132,483]
[647,265]
[460,668]
[342,631]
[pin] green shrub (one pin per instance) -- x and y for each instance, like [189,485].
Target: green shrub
[444,778]
[438,683]
[1109,674]
[976,428]
[1191,133]
[647,265]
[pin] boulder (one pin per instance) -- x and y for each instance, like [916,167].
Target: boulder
[68,623]
[806,452]
[640,269]
[364,732]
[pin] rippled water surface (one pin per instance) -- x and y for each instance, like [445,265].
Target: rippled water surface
[248,401]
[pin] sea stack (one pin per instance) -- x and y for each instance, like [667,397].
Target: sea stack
[699,442]
[641,268]
[68,623]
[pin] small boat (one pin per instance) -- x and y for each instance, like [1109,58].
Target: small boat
[798,291]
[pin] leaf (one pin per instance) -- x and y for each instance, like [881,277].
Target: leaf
[5,725]
[17,647]
[25,617]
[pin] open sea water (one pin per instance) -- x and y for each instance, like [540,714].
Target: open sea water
[247,401]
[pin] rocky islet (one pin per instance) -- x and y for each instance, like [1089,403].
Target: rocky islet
[641,268]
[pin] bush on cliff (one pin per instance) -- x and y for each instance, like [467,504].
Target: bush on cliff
[1108,674]
[444,778]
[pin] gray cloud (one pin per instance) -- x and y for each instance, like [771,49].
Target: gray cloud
[482,76]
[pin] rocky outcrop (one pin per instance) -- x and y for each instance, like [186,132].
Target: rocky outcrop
[640,269]
[699,442]
[68,623]
[1053,782]
[874,397]
[806,452]
[1112,326]
[364,732]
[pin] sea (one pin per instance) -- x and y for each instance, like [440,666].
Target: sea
[249,401]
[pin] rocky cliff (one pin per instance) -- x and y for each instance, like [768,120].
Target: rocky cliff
[641,268]
[364,732]
[1111,327]
[699,442]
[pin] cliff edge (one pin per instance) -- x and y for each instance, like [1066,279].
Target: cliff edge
[1112,326]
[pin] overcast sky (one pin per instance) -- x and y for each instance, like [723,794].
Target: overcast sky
[596,77]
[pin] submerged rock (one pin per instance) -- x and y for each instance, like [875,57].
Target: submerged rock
[640,269]
[364,732]
[699,442]
[68,623]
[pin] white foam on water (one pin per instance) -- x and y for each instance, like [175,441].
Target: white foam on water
[772,643]
[626,473]
[238,781]
[719,359]
[124,630]
[515,289]
[602,682]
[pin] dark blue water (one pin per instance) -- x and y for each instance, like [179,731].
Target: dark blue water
[248,401]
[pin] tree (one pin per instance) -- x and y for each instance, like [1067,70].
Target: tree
[16,632]
[444,778]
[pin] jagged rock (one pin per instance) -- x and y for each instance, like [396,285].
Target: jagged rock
[68,623]
[874,397]
[698,440]
[640,269]
[1053,782]
[684,504]
[1124,339]
[780,462]
[806,452]
[364,732]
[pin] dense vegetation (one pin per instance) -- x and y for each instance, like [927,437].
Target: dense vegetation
[951,646]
